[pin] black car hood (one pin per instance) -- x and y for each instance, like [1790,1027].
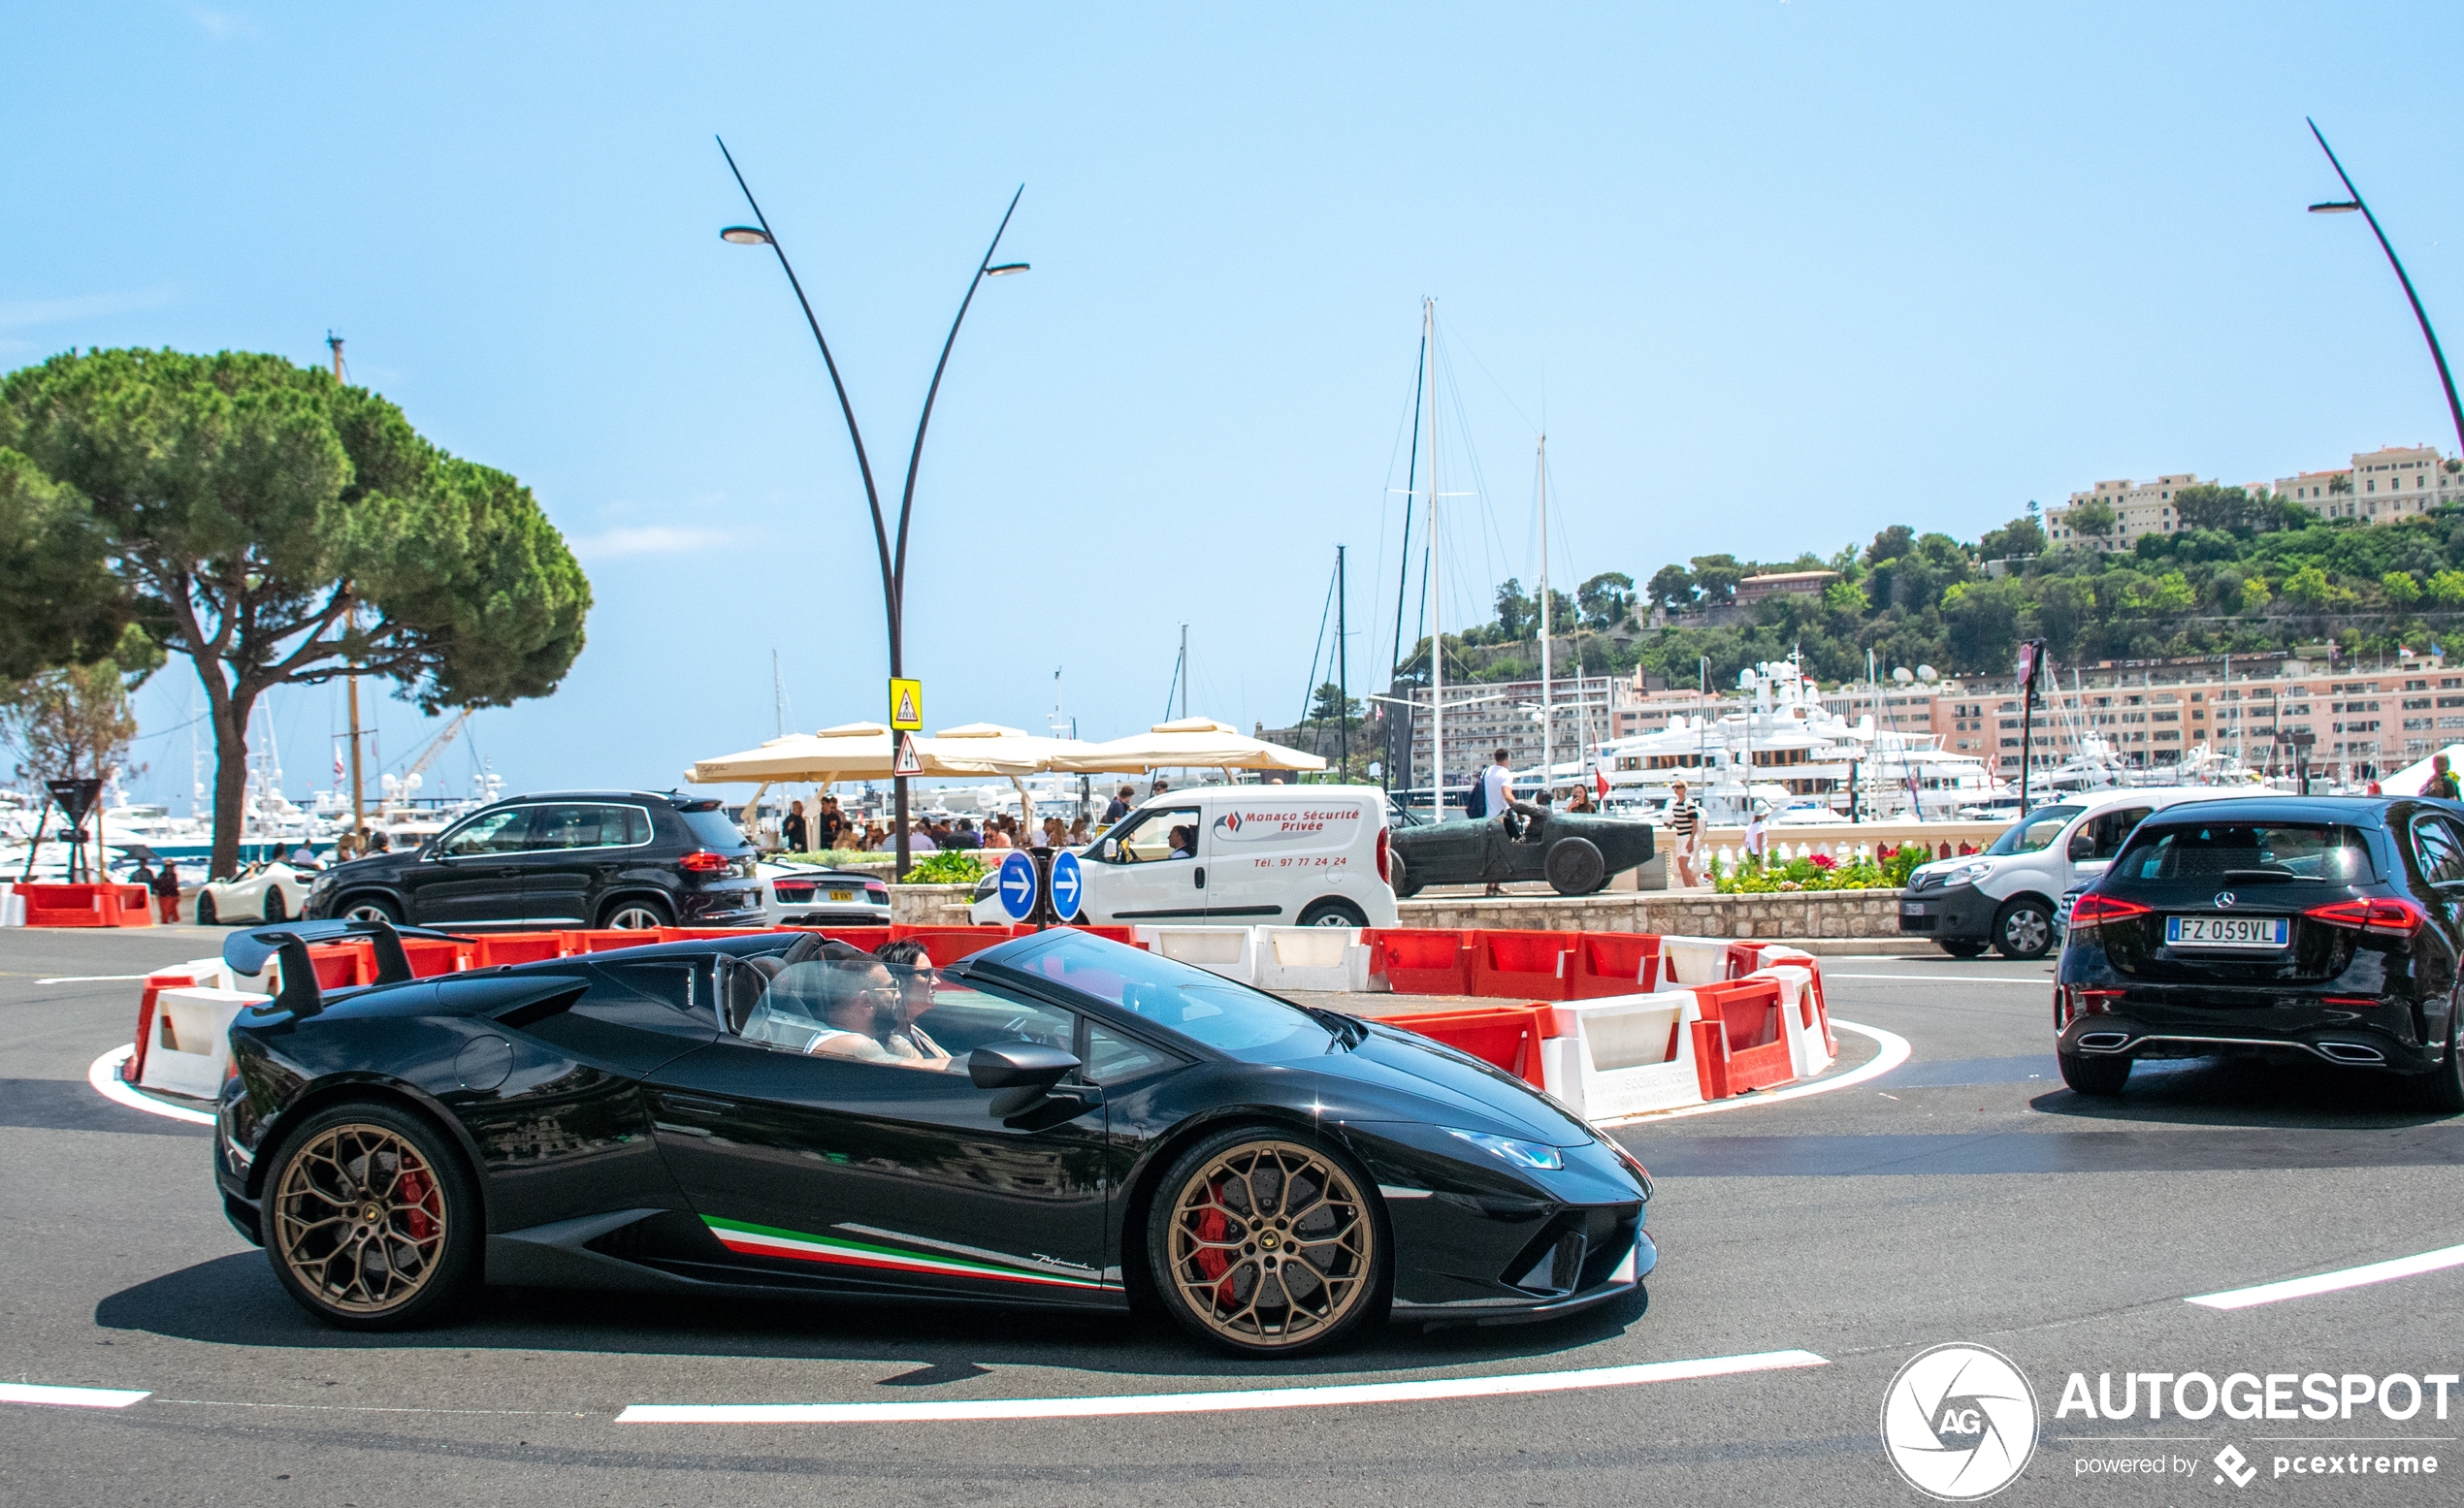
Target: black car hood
[1454,1090]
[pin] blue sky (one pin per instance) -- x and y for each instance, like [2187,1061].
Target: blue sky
[1773,275]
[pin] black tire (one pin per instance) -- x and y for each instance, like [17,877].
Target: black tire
[1574,866]
[1256,1173]
[2023,928]
[205,914]
[638,913]
[364,1254]
[2100,1076]
[1963,947]
[372,907]
[1403,883]
[1331,913]
[274,911]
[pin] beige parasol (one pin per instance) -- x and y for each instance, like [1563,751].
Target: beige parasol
[1189,743]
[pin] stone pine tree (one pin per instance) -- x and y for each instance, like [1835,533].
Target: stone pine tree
[278,527]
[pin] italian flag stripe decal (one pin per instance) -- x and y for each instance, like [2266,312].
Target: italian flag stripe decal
[762,1240]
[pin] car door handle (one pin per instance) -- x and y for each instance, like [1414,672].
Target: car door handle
[693,1103]
[1199,877]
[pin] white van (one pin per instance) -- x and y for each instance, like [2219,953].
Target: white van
[1243,855]
[2007,897]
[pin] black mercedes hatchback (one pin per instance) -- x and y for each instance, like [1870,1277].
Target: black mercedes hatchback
[589,858]
[2325,929]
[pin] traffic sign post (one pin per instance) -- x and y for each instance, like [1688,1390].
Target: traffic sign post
[908,761]
[1064,884]
[906,705]
[1019,884]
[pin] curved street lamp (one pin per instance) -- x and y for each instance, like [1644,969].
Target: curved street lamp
[893,558]
[2454,410]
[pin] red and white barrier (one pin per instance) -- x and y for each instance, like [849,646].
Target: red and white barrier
[1624,1055]
[188,1050]
[1229,952]
[1310,958]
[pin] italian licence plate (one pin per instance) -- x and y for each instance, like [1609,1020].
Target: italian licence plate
[2252,932]
[842,895]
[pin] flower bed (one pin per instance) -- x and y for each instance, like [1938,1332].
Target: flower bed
[1886,870]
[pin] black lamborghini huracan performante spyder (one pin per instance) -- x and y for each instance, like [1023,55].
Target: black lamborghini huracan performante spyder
[1056,1120]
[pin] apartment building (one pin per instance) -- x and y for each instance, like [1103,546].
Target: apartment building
[2138,508]
[2380,484]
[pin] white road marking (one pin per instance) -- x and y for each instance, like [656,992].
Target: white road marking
[90,979]
[1895,1050]
[1944,979]
[103,1074]
[2330,1282]
[70,1398]
[1226,1401]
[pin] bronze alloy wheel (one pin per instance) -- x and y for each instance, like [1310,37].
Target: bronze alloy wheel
[358,1221]
[1269,1245]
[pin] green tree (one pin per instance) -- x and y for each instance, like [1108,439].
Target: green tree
[2208,506]
[1890,544]
[59,602]
[1982,620]
[1606,600]
[2310,587]
[278,527]
[2016,539]
[1845,596]
[2447,589]
[1328,704]
[2094,518]
[2402,589]
[1716,576]
[1673,588]
[1517,616]
[2256,595]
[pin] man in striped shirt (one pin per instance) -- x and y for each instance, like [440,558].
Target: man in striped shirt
[1685,831]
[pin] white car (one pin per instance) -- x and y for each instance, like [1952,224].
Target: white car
[1239,855]
[809,895]
[268,891]
[2008,897]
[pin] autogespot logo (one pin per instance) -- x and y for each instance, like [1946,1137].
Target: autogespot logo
[1959,1422]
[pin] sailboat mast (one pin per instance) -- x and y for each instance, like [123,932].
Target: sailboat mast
[1548,723]
[1437,579]
[1343,675]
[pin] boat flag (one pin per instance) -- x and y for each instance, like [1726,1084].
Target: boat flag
[1599,781]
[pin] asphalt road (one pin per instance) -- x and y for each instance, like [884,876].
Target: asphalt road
[1964,1197]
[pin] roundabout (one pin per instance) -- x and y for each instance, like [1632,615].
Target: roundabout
[1938,1186]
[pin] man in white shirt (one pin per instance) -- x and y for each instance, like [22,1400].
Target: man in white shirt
[1497,799]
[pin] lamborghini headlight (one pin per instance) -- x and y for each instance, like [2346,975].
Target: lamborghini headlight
[1522,1154]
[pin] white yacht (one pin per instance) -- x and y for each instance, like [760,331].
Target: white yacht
[1783,752]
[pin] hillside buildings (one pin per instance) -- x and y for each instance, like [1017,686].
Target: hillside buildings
[2380,486]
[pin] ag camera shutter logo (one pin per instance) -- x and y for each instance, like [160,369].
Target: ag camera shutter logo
[1959,1423]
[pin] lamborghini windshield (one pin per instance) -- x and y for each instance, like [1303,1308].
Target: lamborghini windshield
[1231,1018]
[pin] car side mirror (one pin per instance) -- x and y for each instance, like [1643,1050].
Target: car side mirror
[2082,844]
[1110,851]
[1019,1065]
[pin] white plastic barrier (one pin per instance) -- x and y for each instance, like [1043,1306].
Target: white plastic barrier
[11,905]
[1624,1055]
[1693,960]
[190,1052]
[1312,958]
[1809,1048]
[1774,954]
[1230,951]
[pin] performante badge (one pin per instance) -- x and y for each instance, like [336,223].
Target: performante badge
[1959,1423]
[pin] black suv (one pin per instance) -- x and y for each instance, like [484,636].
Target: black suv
[2325,928]
[586,858]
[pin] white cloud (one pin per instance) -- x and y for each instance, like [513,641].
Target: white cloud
[647,539]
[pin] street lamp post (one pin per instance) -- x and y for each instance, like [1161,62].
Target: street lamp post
[2455,410]
[893,555]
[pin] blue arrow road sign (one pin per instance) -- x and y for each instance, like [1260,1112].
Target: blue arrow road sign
[1017,885]
[1068,884]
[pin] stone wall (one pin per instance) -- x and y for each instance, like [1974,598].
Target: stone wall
[930,904]
[1783,916]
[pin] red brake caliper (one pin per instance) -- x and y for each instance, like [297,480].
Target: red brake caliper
[414,1191]
[1213,1261]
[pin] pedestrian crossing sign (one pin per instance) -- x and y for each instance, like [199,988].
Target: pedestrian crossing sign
[908,762]
[906,705]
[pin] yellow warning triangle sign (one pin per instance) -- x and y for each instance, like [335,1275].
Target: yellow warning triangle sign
[907,711]
[907,762]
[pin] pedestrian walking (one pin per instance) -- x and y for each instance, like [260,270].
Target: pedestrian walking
[1758,838]
[831,824]
[1118,807]
[166,888]
[795,830]
[1685,836]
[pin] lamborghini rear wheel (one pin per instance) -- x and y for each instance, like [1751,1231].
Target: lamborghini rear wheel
[1266,1246]
[370,1219]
